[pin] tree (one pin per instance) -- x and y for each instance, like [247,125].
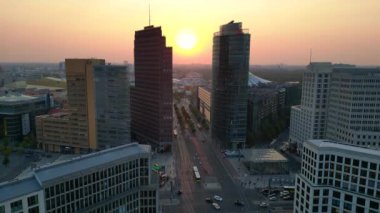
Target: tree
[5,160]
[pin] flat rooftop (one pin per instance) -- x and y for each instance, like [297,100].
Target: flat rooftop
[16,98]
[333,146]
[84,162]
[34,181]
[263,156]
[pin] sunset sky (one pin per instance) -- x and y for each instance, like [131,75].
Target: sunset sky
[282,31]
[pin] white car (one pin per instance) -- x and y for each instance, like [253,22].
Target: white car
[273,198]
[284,193]
[263,204]
[218,198]
[216,206]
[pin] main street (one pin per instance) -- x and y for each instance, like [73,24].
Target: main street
[195,149]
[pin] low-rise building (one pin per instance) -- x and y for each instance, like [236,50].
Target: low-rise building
[264,161]
[18,112]
[204,101]
[118,179]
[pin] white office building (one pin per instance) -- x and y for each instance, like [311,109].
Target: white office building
[113,180]
[338,178]
[354,107]
[308,120]
[339,102]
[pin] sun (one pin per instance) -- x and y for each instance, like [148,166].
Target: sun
[186,40]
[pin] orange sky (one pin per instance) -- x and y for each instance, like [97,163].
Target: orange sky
[282,31]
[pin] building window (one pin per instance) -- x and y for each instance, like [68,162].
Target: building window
[16,206]
[33,200]
[34,210]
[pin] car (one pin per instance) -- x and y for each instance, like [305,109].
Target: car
[218,198]
[287,197]
[273,198]
[263,204]
[272,195]
[216,206]
[284,193]
[179,192]
[208,200]
[239,203]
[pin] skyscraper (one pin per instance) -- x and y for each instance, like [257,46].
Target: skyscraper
[152,110]
[340,170]
[230,67]
[339,102]
[112,105]
[81,98]
[98,116]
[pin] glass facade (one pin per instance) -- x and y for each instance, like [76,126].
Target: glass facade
[230,67]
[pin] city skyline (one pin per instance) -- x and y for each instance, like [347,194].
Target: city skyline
[343,32]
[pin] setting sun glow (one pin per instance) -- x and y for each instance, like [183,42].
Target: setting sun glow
[186,40]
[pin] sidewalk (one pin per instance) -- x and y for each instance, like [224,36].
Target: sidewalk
[166,160]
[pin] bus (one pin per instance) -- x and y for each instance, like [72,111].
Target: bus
[197,176]
[290,189]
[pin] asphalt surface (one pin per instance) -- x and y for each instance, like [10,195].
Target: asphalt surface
[218,177]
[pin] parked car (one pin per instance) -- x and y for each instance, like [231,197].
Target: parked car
[263,204]
[218,198]
[208,200]
[216,206]
[284,193]
[287,197]
[273,198]
[239,203]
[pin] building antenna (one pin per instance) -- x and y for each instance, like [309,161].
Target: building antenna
[149,14]
[311,54]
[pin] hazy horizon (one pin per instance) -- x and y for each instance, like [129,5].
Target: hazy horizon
[282,32]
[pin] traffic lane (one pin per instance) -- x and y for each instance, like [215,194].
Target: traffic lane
[229,192]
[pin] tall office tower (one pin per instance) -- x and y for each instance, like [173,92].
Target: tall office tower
[339,102]
[112,105]
[152,102]
[230,67]
[338,178]
[81,98]
[76,132]
[308,120]
[118,179]
[354,107]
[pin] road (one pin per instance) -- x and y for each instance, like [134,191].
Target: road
[217,177]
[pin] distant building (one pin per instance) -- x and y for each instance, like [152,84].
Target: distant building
[79,134]
[112,105]
[152,101]
[204,102]
[339,102]
[263,103]
[230,69]
[113,180]
[18,112]
[337,178]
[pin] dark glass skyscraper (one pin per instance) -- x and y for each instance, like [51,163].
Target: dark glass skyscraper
[230,67]
[152,103]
